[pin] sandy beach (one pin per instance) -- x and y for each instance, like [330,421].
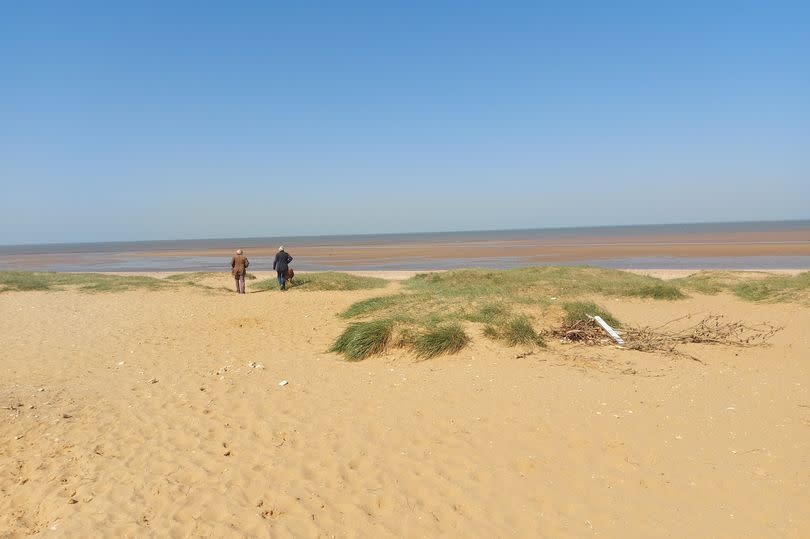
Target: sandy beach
[160,414]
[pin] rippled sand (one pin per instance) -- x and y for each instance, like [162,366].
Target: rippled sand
[141,414]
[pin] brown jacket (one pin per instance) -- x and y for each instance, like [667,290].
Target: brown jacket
[239,263]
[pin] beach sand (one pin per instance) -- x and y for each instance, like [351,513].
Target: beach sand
[138,414]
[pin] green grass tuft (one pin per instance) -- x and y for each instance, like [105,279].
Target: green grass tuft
[363,339]
[711,282]
[445,339]
[193,277]
[328,280]
[496,298]
[489,313]
[775,288]
[542,281]
[521,331]
[518,330]
[370,305]
[25,280]
[491,332]
[88,282]
[750,286]
[576,311]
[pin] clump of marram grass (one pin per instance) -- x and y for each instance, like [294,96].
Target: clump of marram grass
[489,313]
[582,311]
[327,280]
[490,296]
[363,339]
[86,282]
[542,281]
[25,281]
[370,305]
[747,285]
[495,299]
[518,330]
[774,288]
[431,306]
[707,282]
[443,339]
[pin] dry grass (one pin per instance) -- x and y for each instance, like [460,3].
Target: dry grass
[327,280]
[499,299]
[86,282]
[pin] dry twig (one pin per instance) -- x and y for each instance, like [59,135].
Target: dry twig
[712,329]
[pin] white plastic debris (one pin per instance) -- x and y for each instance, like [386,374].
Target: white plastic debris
[610,330]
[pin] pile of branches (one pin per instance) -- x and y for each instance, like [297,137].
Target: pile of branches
[713,329]
[582,331]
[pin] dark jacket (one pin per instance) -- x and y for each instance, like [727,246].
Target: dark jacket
[281,262]
[239,264]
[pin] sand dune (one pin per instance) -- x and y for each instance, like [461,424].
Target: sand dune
[159,414]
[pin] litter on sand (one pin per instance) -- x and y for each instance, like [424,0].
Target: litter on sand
[610,330]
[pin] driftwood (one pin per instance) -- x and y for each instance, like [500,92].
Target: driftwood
[712,329]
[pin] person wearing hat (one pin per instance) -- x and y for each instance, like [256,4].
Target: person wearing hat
[239,266]
[281,265]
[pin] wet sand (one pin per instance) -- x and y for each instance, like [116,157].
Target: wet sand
[778,248]
[159,414]
[729,244]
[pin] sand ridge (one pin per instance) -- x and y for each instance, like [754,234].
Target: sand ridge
[154,414]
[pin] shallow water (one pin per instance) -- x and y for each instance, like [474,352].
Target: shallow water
[444,250]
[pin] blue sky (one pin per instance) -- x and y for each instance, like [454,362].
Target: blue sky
[152,120]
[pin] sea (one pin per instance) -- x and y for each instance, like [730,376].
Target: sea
[379,251]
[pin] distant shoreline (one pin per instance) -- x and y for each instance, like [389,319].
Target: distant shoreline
[96,246]
[766,246]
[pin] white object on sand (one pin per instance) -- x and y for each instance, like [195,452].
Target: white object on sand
[283,383]
[610,330]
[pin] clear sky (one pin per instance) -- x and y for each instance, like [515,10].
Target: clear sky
[159,119]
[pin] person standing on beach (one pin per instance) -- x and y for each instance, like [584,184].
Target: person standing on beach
[239,266]
[281,265]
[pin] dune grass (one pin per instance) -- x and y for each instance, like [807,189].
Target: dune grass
[708,282]
[762,287]
[87,282]
[371,305]
[479,295]
[565,281]
[191,277]
[515,331]
[441,339]
[327,280]
[363,339]
[499,299]
[579,311]
[775,288]
[489,313]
